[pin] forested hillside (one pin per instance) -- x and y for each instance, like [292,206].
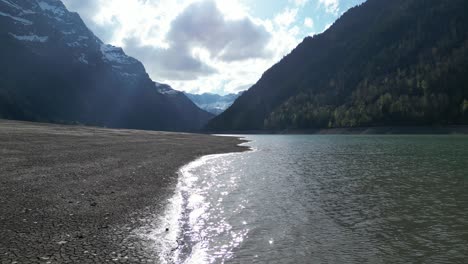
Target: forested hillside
[392,63]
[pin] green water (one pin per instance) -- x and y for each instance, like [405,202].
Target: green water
[329,199]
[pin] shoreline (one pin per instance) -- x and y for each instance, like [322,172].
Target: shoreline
[76,194]
[164,231]
[391,130]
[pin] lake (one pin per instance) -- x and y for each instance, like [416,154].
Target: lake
[323,199]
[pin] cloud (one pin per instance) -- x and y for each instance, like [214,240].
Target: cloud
[203,25]
[236,75]
[168,64]
[196,45]
[198,37]
[87,10]
[107,29]
[308,22]
[331,6]
[287,17]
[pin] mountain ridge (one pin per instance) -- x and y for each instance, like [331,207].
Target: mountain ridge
[382,63]
[56,70]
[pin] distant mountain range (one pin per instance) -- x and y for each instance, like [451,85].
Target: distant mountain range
[54,69]
[213,103]
[383,63]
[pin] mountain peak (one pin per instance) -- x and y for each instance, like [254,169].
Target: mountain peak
[54,7]
[55,69]
[115,54]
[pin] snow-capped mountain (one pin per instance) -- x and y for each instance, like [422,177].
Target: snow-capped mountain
[214,103]
[46,25]
[55,69]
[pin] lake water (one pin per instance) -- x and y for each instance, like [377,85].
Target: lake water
[323,199]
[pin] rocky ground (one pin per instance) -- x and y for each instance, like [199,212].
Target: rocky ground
[74,194]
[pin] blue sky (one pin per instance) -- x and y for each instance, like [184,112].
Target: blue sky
[219,46]
[314,9]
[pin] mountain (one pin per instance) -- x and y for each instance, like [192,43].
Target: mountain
[383,63]
[55,69]
[213,103]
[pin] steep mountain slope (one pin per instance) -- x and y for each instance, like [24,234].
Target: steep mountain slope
[399,62]
[213,103]
[55,69]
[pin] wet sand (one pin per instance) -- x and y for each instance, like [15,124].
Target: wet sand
[73,194]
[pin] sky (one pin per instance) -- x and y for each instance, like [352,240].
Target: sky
[216,46]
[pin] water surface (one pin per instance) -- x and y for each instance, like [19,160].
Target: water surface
[324,199]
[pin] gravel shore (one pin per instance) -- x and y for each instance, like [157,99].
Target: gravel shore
[72,194]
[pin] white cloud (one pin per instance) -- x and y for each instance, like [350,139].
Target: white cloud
[308,22]
[286,18]
[203,25]
[234,76]
[331,6]
[198,38]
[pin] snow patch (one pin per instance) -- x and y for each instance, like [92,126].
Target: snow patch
[27,12]
[18,19]
[129,74]
[114,54]
[11,4]
[57,10]
[31,38]
[73,44]
[83,59]
[68,32]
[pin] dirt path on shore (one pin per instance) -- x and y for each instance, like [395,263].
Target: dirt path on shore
[72,194]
